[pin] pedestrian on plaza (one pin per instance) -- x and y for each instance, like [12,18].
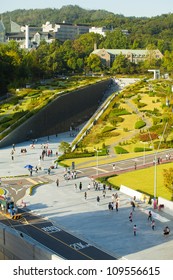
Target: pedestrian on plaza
[113,166]
[131,217]
[80,186]
[166,230]
[98,199]
[36,169]
[89,186]
[30,170]
[75,186]
[135,165]
[116,204]
[153,224]
[134,230]
[133,205]
[104,193]
[149,216]
[110,206]
[85,195]
[57,182]
[48,171]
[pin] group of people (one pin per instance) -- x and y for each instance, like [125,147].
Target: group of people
[70,174]
[166,230]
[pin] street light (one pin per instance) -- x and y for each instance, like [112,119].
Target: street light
[97,161]
[144,151]
[155,176]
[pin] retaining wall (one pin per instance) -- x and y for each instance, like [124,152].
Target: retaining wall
[15,247]
[70,108]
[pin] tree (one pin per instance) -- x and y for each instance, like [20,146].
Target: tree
[115,40]
[64,147]
[121,65]
[94,62]
[168,180]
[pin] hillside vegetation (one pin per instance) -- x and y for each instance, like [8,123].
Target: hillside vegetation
[142,30]
[126,128]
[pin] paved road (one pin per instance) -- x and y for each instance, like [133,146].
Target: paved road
[126,165]
[59,241]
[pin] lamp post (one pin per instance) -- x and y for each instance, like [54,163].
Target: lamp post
[144,161]
[97,161]
[155,176]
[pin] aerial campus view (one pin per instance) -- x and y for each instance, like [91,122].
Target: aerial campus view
[86,136]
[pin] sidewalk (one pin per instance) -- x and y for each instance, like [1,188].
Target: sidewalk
[67,207]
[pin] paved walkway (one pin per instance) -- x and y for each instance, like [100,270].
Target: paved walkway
[67,207]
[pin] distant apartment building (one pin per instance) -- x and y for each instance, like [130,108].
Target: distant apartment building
[98,30]
[109,55]
[65,31]
[31,36]
[102,30]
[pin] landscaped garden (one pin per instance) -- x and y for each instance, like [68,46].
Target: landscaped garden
[139,118]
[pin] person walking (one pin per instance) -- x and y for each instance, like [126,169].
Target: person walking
[104,193]
[85,195]
[48,171]
[134,230]
[98,200]
[133,205]
[116,204]
[131,217]
[153,224]
[57,182]
[80,186]
[149,216]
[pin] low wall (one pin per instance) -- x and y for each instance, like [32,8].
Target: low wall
[139,196]
[15,247]
[74,107]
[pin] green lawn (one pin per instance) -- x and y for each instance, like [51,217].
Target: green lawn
[143,180]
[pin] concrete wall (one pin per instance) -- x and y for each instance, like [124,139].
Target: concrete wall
[140,197]
[15,247]
[74,107]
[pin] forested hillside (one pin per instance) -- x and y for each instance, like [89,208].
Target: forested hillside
[18,66]
[143,31]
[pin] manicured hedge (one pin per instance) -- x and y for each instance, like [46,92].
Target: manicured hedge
[107,129]
[138,149]
[140,124]
[120,150]
[75,155]
[102,152]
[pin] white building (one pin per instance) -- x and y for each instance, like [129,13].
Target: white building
[99,30]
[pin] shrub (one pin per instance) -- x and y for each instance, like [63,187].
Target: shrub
[148,136]
[107,129]
[119,112]
[140,124]
[75,155]
[139,149]
[120,150]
